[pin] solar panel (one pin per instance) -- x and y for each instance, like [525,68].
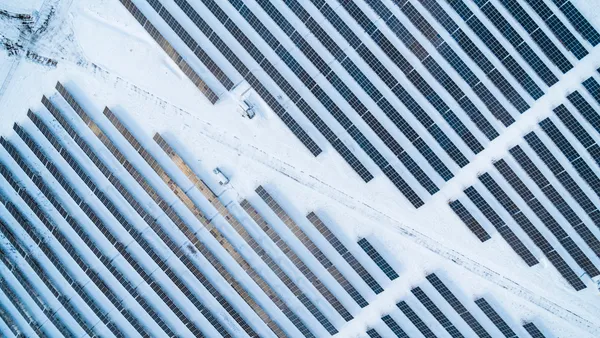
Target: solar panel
[502,228]
[533,331]
[373,333]
[495,318]
[585,109]
[343,251]
[155,226]
[555,197]
[588,175]
[311,246]
[547,219]
[191,298]
[436,312]
[469,220]
[391,323]
[376,257]
[414,318]
[173,54]
[558,28]
[289,252]
[457,305]
[593,88]
[581,24]
[216,233]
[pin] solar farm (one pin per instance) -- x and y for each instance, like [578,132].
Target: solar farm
[287,168]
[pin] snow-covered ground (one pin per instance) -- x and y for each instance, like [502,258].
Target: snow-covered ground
[107,59]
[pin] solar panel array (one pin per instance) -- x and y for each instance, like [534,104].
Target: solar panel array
[550,187]
[90,247]
[380,94]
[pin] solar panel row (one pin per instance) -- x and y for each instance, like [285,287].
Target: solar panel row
[178,59]
[558,28]
[377,258]
[436,312]
[250,210]
[415,319]
[311,246]
[299,322]
[495,318]
[279,110]
[191,301]
[70,274]
[475,53]
[547,219]
[437,72]
[457,305]
[555,197]
[538,35]
[533,331]
[523,221]
[343,251]
[515,39]
[470,221]
[386,76]
[563,177]
[505,231]
[404,157]
[100,278]
[564,145]
[175,247]
[393,325]
[341,87]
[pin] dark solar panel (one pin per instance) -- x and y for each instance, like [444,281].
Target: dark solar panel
[564,178]
[495,318]
[436,312]
[585,109]
[376,257]
[457,305]
[391,323]
[469,220]
[533,331]
[581,24]
[343,251]
[373,333]
[515,243]
[414,318]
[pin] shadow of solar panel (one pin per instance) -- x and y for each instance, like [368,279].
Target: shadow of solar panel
[173,54]
[396,329]
[495,318]
[469,220]
[533,331]
[436,312]
[457,305]
[310,245]
[376,257]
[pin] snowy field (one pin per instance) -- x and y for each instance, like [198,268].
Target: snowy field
[106,58]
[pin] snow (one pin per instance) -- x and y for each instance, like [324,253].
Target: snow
[107,59]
